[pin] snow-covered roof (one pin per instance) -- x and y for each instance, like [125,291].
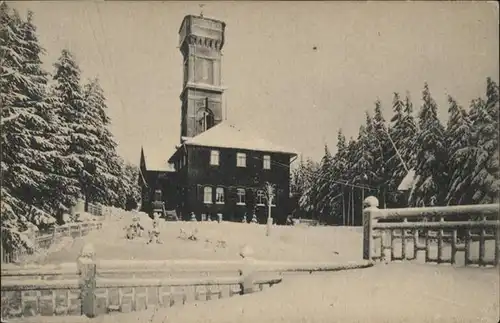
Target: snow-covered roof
[408,181]
[157,159]
[225,135]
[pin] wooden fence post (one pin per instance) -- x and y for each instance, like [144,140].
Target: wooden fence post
[87,269]
[247,270]
[371,208]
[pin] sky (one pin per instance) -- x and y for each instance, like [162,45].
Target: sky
[278,85]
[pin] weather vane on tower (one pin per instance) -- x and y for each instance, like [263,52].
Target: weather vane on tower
[201,9]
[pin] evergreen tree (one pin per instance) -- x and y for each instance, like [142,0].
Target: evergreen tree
[358,165]
[323,184]
[460,152]
[382,150]
[401,133]
[132,188]
[339,169]
[70,107]
[103,168]
[297,182]
[431,184]
[12,55]
[408,149]
[26,127]
[365,153]
[308,199]
[484,166]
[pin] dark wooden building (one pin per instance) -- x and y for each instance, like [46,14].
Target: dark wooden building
[217,168]
[158,181]
[224,170]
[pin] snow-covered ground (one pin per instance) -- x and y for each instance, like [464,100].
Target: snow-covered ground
[224,241]
[385,293]
[398,292]
[220,241]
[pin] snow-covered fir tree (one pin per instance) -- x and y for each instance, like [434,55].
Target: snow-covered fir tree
[70,107]
[382,150]
[408,150]
[323,184]
[356,168]
[402,132]
[309,174]
[338,178]
[27,125]
[460,152]
[55,137]
[100,181]
[484,167]
[363,155]
[432,183]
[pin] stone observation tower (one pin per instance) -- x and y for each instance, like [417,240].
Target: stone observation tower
[217,170]
[200,42]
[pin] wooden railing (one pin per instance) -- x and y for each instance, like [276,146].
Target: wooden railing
[440,233]
[95,287]
[45,239]
[95,209]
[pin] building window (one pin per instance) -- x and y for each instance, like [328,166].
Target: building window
[261,198]
[207,195]
[157,196]
[267,162]
[241,160]
[214,157]
[241,196]
[219,195]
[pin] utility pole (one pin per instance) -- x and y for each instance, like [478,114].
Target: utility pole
[343,206]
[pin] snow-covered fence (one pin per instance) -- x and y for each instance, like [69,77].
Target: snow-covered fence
[45,239]
[40,290]
[95,209]
[308,222]
[93,287]
[439,232]
[172,282]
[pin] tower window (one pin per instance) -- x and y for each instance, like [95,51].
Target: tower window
[219,195]
[205,119]
[214,157]
[241,196]
[207,195]
[186,71]
[204,70]
[267,162]
[241,160]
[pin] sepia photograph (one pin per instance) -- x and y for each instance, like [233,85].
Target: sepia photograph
[250,161]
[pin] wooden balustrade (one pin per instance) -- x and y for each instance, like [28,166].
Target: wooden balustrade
[45,240]
[463,229]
